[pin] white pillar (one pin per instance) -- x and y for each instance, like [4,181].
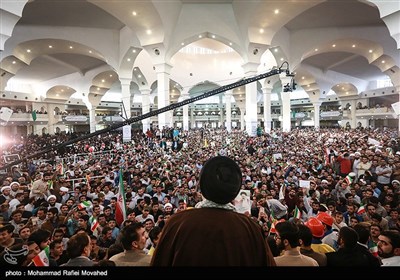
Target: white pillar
[285,97]
[317,106]
[145,108]
[250,69]
[192,120]
[163,72]
[185,116]
[51,121]
[353,122]
[242,119]
[126,97]
[397,88]
[228,99]
[92,119]
[267,90]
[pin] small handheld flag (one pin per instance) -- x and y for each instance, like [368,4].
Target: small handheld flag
[84,204]
[42,259]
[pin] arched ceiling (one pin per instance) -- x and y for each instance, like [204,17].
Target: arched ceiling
[127,26]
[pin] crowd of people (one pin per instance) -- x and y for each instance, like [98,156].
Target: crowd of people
[327,197]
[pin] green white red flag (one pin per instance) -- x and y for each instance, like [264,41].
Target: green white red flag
[120,209]
[42,259]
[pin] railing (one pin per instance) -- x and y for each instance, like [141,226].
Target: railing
[159,111]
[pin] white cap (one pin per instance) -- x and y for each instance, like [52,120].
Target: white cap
[168,205]
[51,196]
[14,183]
[64,189]
[5,188]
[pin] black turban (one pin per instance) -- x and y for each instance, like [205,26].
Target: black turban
[220,179]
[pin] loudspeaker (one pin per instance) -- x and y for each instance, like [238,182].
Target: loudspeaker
[5,114]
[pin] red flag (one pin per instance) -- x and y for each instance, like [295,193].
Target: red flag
[120,209]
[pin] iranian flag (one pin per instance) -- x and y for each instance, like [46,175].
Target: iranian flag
[94,225]
[42,259]
[297,213]
[120,209]
[272,222]
[374,250]
[84,205]
[272,229]
[349,179]
[361,210]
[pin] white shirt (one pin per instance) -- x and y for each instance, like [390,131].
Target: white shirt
[392,261]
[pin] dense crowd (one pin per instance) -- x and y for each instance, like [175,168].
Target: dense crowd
[328,183]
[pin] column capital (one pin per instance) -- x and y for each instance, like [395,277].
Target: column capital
[267,89]
[144,91]
[163,68]
[250,67]
[125,81]
[284,79]
[229,93]
[317,103]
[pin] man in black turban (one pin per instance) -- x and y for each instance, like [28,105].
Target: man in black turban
[213,234]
